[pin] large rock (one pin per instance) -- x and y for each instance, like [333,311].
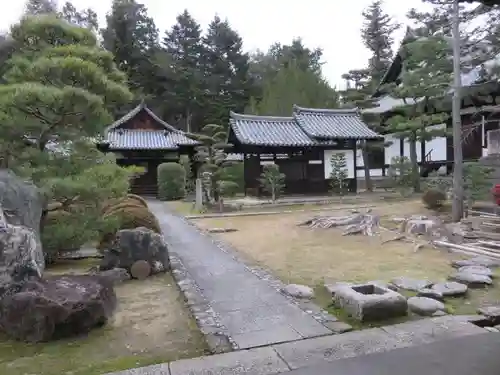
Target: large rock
[21,252]
[57,307]
[450,289]
[299,291]
[132,245]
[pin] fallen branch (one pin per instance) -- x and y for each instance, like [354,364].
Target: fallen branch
[356,223]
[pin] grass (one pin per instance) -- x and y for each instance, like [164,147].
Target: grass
[318,256]
[151,325]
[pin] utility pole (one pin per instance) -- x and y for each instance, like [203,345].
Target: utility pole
[458,191]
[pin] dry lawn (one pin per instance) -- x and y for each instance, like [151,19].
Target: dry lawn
[150,326]
[315,256]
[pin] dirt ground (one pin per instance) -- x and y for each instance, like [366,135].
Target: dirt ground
[316,256]
[151,325]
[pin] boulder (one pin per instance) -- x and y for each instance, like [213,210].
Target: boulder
[450,289]
[472,280]
[424,306]
[21,254]
[57,307]
[132,245]
[298,291]
[407,283]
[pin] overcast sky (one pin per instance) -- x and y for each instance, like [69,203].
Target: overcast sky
[329,24]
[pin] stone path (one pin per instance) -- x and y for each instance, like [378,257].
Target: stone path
[246,308]
[318,356]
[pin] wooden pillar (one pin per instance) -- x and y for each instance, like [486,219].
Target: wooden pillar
[355,184]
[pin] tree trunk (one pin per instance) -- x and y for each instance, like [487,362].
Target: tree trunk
[366,167]
[415,173]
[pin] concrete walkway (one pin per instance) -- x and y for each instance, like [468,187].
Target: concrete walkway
[250,311]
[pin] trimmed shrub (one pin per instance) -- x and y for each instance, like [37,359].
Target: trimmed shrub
[128,217]
[122,205]
[137,198]
[171,181]
[228,189]
[434,199]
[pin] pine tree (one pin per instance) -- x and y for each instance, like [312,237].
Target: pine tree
[85,18]
[424,87]
[183,44]
[37,7]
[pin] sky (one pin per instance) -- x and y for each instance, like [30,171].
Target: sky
[331,25]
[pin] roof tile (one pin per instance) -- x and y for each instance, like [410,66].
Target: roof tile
[125,139]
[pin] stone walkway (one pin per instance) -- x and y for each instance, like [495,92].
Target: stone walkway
[246,309]
[318,356]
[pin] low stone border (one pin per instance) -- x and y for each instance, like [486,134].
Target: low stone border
[320,315]
[218,340]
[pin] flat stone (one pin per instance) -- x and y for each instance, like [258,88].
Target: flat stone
[161,369]
[408,283]
[490,311]
[298,291]
[472,280]
[370,302]
[476,261]
[430,293]
[424,306]
[450,289]
[315,351]
[338,327]
[477,270]
[259,361]
[332,288]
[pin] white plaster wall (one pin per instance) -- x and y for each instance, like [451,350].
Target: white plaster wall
[349,156]
[374,172]
[393,150]
[437,145]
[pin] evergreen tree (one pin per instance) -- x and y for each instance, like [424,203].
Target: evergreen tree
[132,37]
[226,70]
[85,18]
[37,7]
[293,85]
[183,44]
[376,33]
[424,88]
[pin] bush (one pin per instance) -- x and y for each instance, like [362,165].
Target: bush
[171,181]
[228,189]
[434,199]
[137,198]
[123,205]
[128,217]
[235,173]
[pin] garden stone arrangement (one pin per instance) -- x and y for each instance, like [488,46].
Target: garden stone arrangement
[376,300]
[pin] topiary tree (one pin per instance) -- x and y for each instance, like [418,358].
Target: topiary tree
[228,189]
[272,181]
[434,199]
[171,181]
[401,173]
[338,175]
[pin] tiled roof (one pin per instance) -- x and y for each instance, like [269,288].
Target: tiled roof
[125,139]
[307,127]
[268,131]
[332,123]
[142,139]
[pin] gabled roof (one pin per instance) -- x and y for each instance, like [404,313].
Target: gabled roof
[332,123]
[307,127]
[169,138]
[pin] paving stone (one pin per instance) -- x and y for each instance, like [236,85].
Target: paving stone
[472,280]
[161,369]
[477,270]
[430,293]
[330,348]
[408,283]
[490,311]
[450,289]
[276,334]
[476,261]
[299,291]
[259,361]
[424,306]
